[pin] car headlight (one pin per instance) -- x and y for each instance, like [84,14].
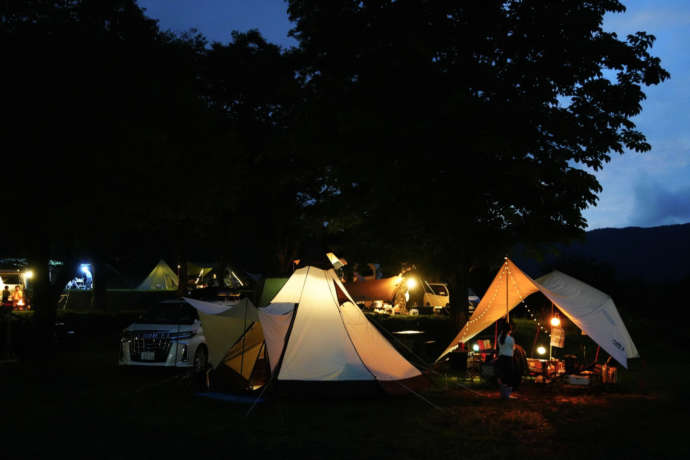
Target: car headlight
[182,335]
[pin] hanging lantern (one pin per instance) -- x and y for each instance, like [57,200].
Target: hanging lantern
[555,321]
[541,350]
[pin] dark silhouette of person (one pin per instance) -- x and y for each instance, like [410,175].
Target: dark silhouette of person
[6,295]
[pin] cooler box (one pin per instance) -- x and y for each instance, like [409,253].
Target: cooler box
[574,379]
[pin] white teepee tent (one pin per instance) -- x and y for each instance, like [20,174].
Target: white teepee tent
[161,278]
[312,338]
[588,308]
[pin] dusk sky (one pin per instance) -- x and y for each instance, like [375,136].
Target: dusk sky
[639,189]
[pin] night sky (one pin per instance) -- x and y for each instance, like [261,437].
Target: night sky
[639,189]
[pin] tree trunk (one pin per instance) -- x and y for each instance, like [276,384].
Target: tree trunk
[182,276]
[41,346]
[458,308]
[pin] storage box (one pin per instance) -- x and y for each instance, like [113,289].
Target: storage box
[574,379]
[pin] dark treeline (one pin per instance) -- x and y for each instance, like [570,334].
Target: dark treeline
[437,133]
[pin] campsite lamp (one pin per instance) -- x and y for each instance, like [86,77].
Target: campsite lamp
[411,283]
[28,274]
[555,321]
[541,350]
[475,347]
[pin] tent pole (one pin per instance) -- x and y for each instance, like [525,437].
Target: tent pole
[496,337]
[507,313]
[550,342]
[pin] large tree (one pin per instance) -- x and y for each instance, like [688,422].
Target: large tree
[255,87]
[107,139]
[455,129]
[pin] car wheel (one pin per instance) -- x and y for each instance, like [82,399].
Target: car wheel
[200,360]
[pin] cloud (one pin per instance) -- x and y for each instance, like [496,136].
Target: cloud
[657,205]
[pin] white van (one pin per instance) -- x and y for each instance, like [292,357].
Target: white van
[166,335]
[436,295]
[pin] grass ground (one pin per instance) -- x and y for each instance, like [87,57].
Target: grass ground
[82,405]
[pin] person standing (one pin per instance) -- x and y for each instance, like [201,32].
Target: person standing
[6,296]
[17,297]
[504,364]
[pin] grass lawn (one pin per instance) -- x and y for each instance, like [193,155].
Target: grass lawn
[84,406]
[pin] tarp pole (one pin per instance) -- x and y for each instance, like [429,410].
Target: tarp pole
[550,342]
[507,313]
[496,338]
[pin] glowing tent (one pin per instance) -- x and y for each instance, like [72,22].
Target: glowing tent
[161,278]
[313,338]
[588,308]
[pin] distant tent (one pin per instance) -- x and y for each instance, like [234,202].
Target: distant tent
[161,278]
[233,335]
[270,289]
[313,339]
[198,270]
[588,308]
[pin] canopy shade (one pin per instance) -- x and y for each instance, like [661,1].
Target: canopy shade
[224,325]
[588,308]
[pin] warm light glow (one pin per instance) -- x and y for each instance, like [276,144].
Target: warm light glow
[475,347]
[411,283]
[555,321]
[28,275]
[541,350]
[20,303]
[408,332]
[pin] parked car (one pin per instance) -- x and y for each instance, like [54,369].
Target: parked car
[166,335]
[436,295]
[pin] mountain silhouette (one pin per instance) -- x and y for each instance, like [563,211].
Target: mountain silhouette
[653,254]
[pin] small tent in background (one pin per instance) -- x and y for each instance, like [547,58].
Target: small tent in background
[161,278]
[588,308]
[313,340]
[234,338]
[270,288]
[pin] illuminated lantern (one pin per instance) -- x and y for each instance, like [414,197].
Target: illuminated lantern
[475,347]
[411,283]
[541,350]
[555,321]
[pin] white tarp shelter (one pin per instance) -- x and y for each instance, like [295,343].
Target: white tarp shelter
[588,308]
[226,325]
[311,337]
[161,278]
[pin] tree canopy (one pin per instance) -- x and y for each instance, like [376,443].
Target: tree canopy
[415,130]
[458,128]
